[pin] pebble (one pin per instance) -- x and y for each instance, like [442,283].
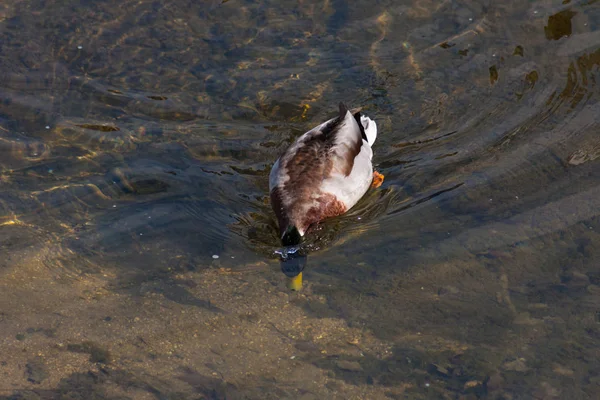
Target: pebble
[441,369]
[36,371]
[518,365]
[352,366]
[561,370]
[471,384]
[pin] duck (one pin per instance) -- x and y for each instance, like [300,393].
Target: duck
[322,174]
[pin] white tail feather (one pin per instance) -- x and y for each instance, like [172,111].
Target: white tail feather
[370,129]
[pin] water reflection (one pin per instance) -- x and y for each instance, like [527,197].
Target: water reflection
[140,258]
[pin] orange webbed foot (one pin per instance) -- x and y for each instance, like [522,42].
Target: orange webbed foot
[377,180]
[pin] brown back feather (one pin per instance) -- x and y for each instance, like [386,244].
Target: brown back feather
[308,167]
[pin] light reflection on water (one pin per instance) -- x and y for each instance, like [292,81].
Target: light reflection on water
[136,140]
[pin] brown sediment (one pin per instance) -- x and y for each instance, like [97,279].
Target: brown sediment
[441,290]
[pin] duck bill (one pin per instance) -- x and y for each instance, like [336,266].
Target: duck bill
[295,283]
[292,266]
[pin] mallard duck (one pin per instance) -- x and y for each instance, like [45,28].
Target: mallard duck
[321,175]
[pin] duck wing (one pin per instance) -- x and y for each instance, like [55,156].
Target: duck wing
[324,150]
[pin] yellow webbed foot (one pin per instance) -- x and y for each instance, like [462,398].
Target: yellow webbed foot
[377,180]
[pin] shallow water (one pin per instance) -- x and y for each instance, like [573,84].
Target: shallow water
[136,138]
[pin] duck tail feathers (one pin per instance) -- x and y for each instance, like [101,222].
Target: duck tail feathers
[367,125]
[343,110]
[370,128]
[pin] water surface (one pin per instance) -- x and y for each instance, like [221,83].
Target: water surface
[136,139]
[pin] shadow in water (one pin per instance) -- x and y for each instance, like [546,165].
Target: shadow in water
[108,383]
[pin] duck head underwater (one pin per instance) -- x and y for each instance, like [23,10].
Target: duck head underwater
[323,174]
